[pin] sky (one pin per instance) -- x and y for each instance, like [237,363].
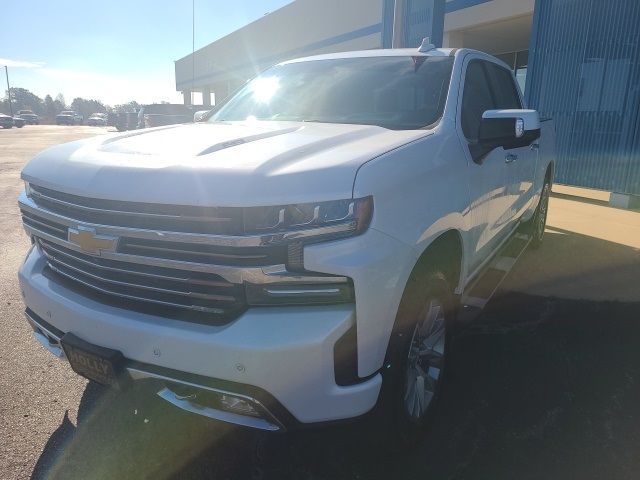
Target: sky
[114,51]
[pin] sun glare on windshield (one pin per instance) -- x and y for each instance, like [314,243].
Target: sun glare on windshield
[263,89]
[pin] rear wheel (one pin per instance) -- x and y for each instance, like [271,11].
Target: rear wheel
[417,355]
[539,220]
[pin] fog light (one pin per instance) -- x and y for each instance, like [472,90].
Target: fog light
[238,405]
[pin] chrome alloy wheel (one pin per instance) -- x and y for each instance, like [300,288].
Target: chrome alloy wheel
[425,361]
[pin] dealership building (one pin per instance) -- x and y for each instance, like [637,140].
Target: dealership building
[577,61]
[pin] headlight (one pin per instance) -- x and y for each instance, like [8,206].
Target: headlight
[299,225]
[311,220]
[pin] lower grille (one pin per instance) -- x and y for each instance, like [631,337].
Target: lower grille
[169,292]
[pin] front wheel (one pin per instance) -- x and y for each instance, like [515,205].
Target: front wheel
[417,357]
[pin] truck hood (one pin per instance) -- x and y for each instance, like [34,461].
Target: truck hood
[218,164]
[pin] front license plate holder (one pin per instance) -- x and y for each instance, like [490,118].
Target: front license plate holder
[100,364]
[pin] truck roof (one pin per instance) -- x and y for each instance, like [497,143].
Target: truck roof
[387,52]
[397,52]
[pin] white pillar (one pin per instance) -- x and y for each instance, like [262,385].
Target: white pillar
[206,96]
[398,24]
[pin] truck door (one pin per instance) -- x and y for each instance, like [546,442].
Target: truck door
[520,162]
[489,209]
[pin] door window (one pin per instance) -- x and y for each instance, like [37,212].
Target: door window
[487,86]
[476,99]
[504,90]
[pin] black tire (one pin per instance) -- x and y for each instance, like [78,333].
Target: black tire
[539,220]
[423,294]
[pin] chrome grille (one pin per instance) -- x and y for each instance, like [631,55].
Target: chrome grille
[165,265]
[43,224]
[171,218]
[200,252]
[164,287]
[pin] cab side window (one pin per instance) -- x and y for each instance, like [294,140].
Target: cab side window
[476,99]
[503,87]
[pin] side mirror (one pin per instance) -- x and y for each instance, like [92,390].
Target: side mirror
[200,115]
[507,129]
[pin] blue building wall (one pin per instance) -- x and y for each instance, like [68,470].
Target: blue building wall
[418,21]
[423,18]
[584,72]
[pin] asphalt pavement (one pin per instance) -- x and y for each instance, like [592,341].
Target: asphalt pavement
[544,385]
[35,389]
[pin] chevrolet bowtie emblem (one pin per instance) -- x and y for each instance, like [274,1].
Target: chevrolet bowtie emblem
[89,241]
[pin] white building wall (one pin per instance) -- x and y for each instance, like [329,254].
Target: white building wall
[304,27]
[307,27]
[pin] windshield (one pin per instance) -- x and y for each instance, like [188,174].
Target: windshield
[393,92]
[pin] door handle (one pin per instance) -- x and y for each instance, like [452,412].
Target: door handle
[535,146]
[510,158]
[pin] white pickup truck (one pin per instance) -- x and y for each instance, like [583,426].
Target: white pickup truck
[303,254]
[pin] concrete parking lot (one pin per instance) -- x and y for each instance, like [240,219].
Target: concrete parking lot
[544,385]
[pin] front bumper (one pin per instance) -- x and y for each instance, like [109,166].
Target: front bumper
[285,354]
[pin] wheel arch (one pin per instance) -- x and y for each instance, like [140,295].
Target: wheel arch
[550,172]
[445,252]
[445,255]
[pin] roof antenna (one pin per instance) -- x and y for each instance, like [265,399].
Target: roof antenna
[426,45]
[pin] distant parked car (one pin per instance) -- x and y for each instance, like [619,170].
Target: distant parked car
[126,121]
[6,121]
[29,117]
[97,119]
[79,118]
[159,114]
[66,117]
[18,121]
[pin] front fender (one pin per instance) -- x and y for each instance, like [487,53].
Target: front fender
[380,266]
